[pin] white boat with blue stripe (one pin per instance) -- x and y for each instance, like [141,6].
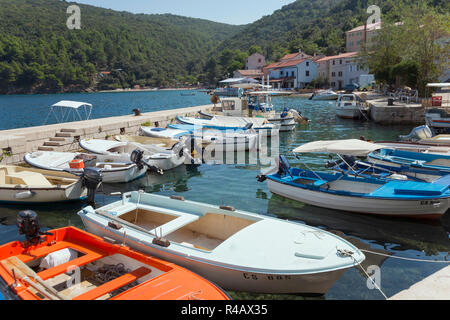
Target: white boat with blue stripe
[354,193]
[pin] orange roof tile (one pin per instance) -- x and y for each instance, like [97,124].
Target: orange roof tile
[370,27]
[340,56]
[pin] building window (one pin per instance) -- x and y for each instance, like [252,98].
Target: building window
[340,74]
[333,84]
[293,73]
[307,63]
[259,60]
[281,73]
[334,62]
[333,74]
[307,73]
[340,61]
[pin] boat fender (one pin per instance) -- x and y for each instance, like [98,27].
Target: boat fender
[25,195]
[161,242]
[115,225]
[228,208]
[180,198]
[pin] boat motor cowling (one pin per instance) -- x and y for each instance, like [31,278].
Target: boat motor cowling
[284,166]
[92,178]
[248,126]
[137,157]
[28,224]
[178,149]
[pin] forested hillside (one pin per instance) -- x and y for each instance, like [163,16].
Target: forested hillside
[317,26]
[38,53]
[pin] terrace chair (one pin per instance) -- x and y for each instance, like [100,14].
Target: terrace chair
[413,96]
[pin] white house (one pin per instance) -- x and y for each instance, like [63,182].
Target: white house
[291,74]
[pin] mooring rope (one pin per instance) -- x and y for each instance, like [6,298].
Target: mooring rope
[403,258]
[350,254]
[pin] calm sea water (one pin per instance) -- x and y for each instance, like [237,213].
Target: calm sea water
[236,185]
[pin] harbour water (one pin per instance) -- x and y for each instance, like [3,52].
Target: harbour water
[236,185]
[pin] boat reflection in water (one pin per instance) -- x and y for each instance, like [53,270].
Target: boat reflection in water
[431,237]
[175,179]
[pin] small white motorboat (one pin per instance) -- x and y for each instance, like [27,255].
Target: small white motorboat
[20,185]
[324,95]
[115,168]
[165,133]
[155,156]
[351,106]
[238,250]
[258,105]
[213,139]
[232,123]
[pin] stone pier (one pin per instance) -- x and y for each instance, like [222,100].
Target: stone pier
[15,143]
[399,113]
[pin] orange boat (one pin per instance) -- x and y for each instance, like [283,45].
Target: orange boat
[70,264]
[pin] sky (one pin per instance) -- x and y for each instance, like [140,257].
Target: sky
[226,11]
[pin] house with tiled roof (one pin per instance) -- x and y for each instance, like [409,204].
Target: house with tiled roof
[253,74]
[360,36]
[291,73]
[295,56]
[340,70]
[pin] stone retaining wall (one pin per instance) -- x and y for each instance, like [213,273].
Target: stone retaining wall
[15,143]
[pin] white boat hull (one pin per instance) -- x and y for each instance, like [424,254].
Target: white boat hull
[228,278]
[112,168]
[326,97]
[224,245]
[381,207]
[153,155]
[32,195]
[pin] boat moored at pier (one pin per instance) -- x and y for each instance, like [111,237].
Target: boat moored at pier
[224,244]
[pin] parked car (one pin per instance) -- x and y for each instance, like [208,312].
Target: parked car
[351,87]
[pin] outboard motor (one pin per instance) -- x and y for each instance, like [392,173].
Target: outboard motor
[137,157]
[178,149]
[248,126]
[419,133]
[28,224]
[284,166]
[193,151]
[333,164]
[92,178]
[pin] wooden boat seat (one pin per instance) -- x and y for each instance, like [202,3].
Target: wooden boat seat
[27,178]
[174,225]
[114,285]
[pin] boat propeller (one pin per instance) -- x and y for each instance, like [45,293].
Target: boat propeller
[28,224]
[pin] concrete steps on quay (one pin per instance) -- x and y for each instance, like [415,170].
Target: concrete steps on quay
[18,142]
